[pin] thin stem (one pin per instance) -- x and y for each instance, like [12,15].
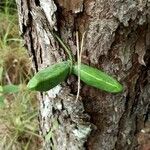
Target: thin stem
[78,59]
[79,55]
[68,51]
[82,42]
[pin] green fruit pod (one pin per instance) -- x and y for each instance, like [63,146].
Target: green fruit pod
[49,77]
[98,79]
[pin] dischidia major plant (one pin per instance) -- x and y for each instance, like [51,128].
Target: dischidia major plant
[51,76]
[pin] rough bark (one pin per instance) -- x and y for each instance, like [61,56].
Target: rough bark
[117,41]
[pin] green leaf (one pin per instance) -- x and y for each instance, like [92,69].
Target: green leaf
[8,89]
[98,79]
[49,77]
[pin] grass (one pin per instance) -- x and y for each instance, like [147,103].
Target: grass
[18,111]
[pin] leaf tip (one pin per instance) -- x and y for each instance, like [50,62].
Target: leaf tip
[118,89]
[32,84]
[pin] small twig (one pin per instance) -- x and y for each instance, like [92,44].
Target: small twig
[78,57]
[79,54]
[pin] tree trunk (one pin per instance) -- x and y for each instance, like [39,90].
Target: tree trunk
[117,41]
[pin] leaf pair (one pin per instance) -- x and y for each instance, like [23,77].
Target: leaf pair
[49,77]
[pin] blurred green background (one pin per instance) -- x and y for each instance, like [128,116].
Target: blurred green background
[19,128]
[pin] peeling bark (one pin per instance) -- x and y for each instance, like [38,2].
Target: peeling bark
[117,41]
